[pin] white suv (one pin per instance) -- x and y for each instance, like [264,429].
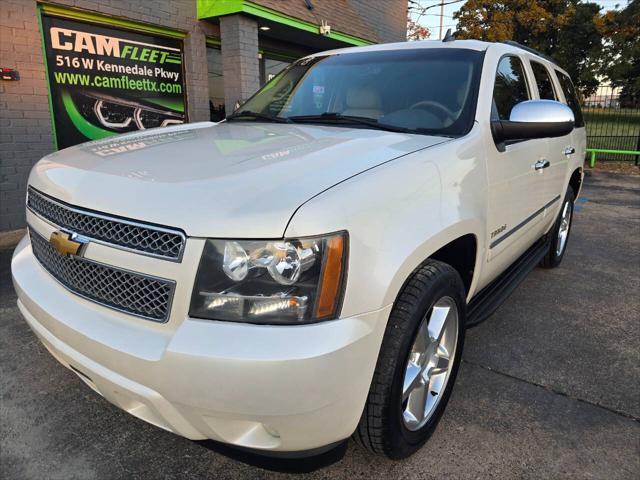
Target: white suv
[305,270]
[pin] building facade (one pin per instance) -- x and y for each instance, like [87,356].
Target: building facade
[81,70]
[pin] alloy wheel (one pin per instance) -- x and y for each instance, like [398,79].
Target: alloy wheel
[430,363]
[563,231]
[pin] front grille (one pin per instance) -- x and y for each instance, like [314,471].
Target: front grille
[130,292]
[128,234]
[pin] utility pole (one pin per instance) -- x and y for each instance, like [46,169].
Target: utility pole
[441,17]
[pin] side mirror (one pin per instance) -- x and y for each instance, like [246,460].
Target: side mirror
[534,119]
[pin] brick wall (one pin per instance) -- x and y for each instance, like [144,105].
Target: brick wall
[25,124]
[240,64]
[387,17]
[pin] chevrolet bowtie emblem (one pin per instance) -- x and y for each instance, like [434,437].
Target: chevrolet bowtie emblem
[64,243]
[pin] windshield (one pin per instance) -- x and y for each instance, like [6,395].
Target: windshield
[423,90]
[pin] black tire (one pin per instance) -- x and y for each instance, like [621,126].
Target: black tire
[553,258]
[381,429]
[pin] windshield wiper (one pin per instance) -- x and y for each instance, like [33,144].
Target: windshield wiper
[258,116]
[333,118]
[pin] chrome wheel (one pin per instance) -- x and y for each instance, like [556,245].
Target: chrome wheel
[430,363]
[563,231]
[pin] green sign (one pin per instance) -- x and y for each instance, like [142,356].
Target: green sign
[104,81]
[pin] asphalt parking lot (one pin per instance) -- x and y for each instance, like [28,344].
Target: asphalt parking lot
[549,387]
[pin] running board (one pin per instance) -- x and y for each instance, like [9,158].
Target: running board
[487,301]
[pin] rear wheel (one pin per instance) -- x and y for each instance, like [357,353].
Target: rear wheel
[560,233]
[417,365]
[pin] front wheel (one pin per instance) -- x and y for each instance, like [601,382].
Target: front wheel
[417,365]
[560,233]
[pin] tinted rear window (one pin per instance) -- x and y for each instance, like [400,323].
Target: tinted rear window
[543,80]
[572,98]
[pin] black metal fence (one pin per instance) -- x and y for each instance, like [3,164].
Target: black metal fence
[613,123]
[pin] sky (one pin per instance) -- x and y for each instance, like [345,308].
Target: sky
[431,18]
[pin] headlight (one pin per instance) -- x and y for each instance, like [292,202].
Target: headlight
[280,282]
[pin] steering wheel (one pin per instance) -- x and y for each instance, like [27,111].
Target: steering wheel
[440,110]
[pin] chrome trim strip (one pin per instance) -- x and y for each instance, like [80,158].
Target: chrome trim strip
[523,223]
[172,283]
[109,218]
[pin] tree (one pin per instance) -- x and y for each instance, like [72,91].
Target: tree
[568,30]
[580,46]
[415,31]
[622,50]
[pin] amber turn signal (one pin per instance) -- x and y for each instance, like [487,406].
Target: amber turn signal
[332,276]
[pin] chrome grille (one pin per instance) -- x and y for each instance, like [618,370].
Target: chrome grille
[147,239]
[129,292]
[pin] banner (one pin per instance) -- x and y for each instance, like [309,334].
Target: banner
[104,81]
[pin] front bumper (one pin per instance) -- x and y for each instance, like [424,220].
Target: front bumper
[277,388]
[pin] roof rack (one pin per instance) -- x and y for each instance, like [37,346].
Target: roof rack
[530,50]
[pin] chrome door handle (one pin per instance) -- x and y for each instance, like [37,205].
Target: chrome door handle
[540,164]
[569,151]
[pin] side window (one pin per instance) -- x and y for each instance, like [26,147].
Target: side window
[510,87]
[543,80]
[572,98]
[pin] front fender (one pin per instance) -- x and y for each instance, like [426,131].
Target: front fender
[397,215]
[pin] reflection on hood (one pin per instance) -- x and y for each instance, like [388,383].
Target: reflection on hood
[114,146]
[228,179]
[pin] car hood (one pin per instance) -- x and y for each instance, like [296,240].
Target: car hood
[231,179]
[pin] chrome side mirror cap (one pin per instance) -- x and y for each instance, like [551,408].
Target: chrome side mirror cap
[535,119]
[541,111]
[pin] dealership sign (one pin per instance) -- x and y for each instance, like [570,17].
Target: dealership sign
[104,81]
